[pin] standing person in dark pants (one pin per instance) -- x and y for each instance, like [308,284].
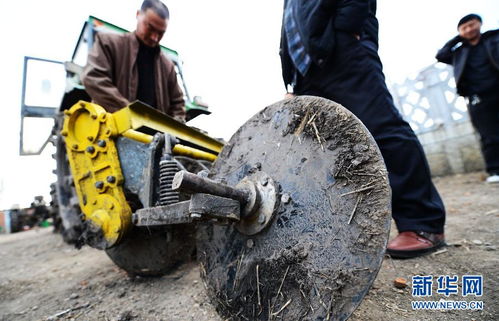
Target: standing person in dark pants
[329,49]
[475,57]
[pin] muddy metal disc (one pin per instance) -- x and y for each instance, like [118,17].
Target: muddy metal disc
[318,257]
[154,252]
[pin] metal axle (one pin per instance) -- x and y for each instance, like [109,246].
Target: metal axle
[192,183]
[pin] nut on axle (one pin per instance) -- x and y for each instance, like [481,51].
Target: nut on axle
[256,193]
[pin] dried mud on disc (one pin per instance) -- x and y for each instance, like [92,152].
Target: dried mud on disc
[318,257]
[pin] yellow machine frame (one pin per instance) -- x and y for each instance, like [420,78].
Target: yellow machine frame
[90,134]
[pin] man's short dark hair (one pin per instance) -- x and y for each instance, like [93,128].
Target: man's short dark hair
[469,17]
[157,6]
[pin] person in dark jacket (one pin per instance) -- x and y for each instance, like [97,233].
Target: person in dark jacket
[122,68]
[475,58]
[329,49]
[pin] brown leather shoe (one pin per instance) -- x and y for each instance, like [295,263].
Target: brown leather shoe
[411,244]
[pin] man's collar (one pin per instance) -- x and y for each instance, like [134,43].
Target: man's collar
[139,43]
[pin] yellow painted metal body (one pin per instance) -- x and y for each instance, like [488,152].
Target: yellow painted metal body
[137,115]
[177,149]
[96,170]
[90,134]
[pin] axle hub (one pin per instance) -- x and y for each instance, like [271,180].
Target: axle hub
[256,193]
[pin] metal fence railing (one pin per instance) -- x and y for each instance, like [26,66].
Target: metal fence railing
[440,118]
[429,100]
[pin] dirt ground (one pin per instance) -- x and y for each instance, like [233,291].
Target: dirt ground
[42,278]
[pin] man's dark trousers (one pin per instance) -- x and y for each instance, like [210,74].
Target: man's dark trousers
[485,118]
[353,77]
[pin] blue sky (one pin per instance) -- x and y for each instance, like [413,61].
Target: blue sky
[230,50]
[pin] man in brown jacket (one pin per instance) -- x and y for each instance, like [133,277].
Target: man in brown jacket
[127,67]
